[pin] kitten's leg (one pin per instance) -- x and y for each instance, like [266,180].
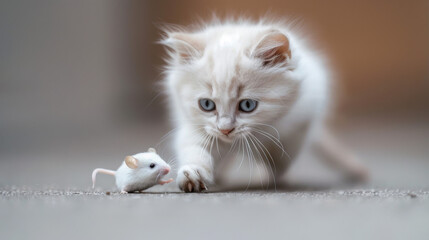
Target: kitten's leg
[195,160]
[340,157]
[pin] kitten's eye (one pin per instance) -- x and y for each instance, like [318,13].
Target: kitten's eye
[152,165]
[247,105]
[207,105]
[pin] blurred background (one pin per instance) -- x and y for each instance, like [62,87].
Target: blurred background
[78,83]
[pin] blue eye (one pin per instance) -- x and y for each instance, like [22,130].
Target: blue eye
[247,105]
[207,105]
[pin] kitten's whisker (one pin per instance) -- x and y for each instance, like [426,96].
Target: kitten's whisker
[260,156]
[271,126]
[201,143]
[254,161]
[261,159]
[217,146]
[205,141]
[250,163]
[169,134]
[233,145]
[265,132]
[270,137]
[206,147]
[165,136]
[274,140]
[242,155]
[262,147]
[172,162]
[194,133]
[266,150]
[211,147]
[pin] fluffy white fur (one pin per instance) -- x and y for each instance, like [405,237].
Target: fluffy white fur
[230,61]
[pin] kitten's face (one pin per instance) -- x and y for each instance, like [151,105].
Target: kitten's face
[228,92]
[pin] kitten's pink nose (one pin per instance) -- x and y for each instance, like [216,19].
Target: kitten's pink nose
[226,131]
[165,170]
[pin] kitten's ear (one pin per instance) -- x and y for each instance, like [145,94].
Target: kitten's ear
[273,49]
[187,46]
[131,162]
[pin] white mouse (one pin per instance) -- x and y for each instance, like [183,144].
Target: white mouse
[138,172]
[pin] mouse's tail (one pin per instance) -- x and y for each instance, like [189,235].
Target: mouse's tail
[101,170]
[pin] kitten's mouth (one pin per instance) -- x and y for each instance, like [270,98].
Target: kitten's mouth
[227,138]
[232,135]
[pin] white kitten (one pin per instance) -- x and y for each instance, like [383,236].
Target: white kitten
[239,83]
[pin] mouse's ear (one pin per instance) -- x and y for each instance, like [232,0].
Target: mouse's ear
[151,150]
[131,162]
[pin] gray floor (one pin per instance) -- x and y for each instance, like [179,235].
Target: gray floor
[357,214]
[45,193]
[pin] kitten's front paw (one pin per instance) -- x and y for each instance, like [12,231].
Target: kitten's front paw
[192,178]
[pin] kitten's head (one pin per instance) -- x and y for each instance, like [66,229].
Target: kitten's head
[229,80]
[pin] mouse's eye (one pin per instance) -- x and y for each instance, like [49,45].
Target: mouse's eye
[152,165]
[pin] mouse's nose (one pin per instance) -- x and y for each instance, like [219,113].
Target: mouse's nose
[165,170]
[226,131]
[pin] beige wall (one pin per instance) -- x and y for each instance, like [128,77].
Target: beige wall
[380,48]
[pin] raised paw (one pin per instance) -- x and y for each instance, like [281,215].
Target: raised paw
[193,179]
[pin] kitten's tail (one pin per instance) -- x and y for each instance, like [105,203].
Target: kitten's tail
[101,170]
